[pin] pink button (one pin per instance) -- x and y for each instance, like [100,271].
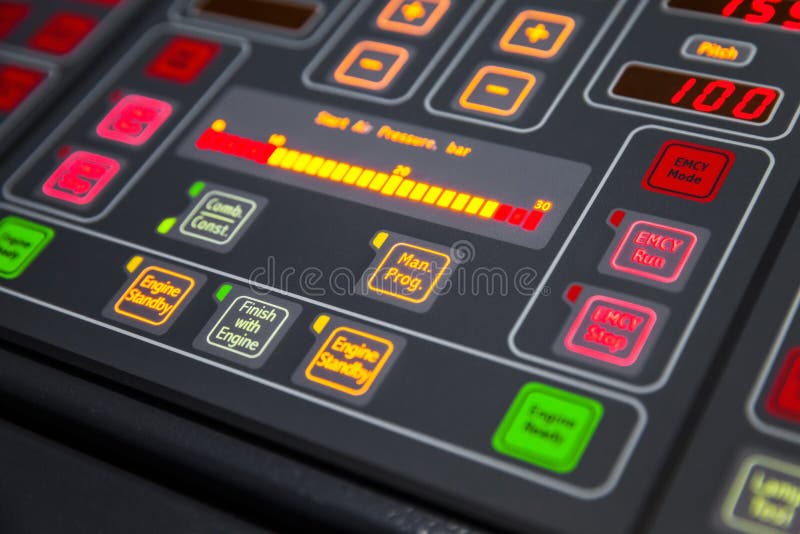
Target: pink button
[611,330]
[654,251]
[81,177]
[134,120]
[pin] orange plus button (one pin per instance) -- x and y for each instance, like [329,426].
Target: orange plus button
[537,33]
[412,17]
[371,65]
[497,90]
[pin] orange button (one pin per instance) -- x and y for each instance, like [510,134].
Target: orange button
[412,17]
[537,33]
[497,90]
[371,65]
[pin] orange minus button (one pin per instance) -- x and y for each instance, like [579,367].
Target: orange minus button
[497,90]
[371,65]
[537,34]
[412,17]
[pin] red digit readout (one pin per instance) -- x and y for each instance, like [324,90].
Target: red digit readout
[764,12]
[750,107]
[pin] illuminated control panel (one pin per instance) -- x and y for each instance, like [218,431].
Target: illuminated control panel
[497,251]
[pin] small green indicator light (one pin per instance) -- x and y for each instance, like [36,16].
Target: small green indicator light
[548,427]
[196,189]
[223,291]
[20,242]
[166,225]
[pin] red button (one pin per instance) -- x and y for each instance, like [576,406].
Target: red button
[654,251]
[689,171]
[62,32]
[81,177]
[784,399]
[11,13]
[611,330]
[183,59]
[134,120]
[16,83]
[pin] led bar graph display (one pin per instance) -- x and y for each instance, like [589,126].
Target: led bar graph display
[499,192]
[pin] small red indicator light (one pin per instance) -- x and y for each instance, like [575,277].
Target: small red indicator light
[134,120]
[574,293]
[517,216]
[62,33]
[616,218]
[502,213]
[16,83]
[533,220]
[81,177]
[182,59]
[11,13]
[784,398]
[690,171]
[611,330]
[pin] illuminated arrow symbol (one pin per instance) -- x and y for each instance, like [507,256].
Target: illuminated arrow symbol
[413,11]
[537,33]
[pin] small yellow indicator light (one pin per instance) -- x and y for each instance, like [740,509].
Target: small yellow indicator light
[446,198]
[134,263]
[320,323]
[219,125]
[379,239]
[432,194]
[352,175]
[277,157]
[365,178]
[474,205]
[460,202]
[418,192]
[405,188]
[277,140]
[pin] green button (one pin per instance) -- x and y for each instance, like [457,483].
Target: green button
[548,427]
[20,242]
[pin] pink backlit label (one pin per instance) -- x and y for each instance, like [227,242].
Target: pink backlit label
[81,177]
[134,120]
[654,251]
[611,330]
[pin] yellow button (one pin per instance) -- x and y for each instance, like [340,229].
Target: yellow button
[412,17]
[537,33]
[371,65]
[409,273]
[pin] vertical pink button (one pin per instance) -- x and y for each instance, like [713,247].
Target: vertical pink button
[81,177]
[134,120]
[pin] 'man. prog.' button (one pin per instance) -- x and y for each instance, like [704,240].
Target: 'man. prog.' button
[611,330]
[548,427]
[690,171]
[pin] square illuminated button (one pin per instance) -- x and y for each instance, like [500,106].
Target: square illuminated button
[783,400]
[134,119]
[537,34]
[248,327]
[62,33]
[763,498]
[371,65]
[412,17]
[11,14]
[182,59]
[497,91]
[20,242]
[154,296]
[610,330]
[409,272]
[16,83]
[654,251]
[548,427]
[218,217]
[690,171]
[350,361]
[81,177]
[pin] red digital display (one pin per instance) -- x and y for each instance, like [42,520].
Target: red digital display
[702,94]
[782,13]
